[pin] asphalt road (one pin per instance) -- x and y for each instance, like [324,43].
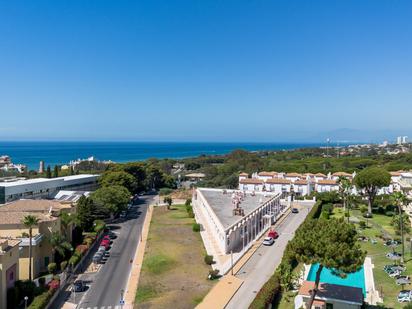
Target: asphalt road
[104,287]
[258,269]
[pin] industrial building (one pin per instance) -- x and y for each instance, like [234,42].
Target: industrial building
[44,188]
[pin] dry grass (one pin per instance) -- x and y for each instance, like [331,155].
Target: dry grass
[174,274]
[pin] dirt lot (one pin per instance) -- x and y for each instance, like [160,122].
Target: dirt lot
[174,274]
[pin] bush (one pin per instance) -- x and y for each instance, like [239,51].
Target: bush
[165,191]
[188,202]
[11,298]
[88,241]
[63,265]
[196,227]
[267,293]
[209,259]
[99,225]
[74,260]
[214,274]
[52,267]
[362,224]
[363,209]
[191,214]
[42,281]
[328,208]
[24,288]
[324,215]
[389,213]
[81,250]
[42,300]
[54,284]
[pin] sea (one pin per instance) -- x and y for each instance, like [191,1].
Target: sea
[57,153]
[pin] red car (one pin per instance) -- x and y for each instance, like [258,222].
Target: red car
[273,234]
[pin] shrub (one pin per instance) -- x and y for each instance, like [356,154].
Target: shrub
[363,209]
[191,214]
[165,191]
[328,208]
[88,241]
[24,288]
[52,268]
[196,227]
[389,213]
[54,284]
[63,265]
[324,214]
[209,259]
[362,224]
[11,298]
[74,260]
[214,274]
[99,225]
[81,250]
[42,300]
[42,281]
[188,202]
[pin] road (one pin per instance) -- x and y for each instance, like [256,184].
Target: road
[104,286]
[258,269]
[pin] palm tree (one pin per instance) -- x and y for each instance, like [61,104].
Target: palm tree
[345,186]
[59,244]
[399,199]
[67,219]
[30,221]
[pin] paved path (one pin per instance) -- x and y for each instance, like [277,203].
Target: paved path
[105,285]
[258,269]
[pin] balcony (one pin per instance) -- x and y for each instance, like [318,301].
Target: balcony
[25,241]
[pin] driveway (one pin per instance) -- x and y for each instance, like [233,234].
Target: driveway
[260,267]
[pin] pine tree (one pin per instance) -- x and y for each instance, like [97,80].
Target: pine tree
[56,171]
[48,172]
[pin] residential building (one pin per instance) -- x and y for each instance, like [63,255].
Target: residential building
[9,267]
[326,185]
[41,188]
[11,226]
[329,296]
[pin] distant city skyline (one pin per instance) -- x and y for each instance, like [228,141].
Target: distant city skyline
[206,71]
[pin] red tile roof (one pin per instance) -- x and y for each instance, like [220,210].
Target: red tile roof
[251,181]
[271,174]
[327,182]
[278,181]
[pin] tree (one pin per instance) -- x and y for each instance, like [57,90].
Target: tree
[345,187]
[168,200]
[113,199]
[56,171]
[48,172]
[330,243]
[59,244]
[85,213]
[66,220]
[30,221]
[399,199]
[370,180]
[118,178]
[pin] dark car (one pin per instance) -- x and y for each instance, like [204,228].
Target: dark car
[295,210]
[79,286]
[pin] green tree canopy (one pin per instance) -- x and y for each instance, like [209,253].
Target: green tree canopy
[85,213]
[113,199]
[331,243]
[118,178]
[370,180]
[59,244]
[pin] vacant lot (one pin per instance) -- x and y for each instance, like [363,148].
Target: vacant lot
[174,274]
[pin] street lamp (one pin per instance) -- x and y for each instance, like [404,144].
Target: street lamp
[25,302]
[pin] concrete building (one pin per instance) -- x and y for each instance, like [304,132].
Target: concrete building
[39,188]
[11,226]
[234,218]
[9,267]
[329,296]
[326,185]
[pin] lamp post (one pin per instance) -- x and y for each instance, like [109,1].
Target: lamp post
[121,298]
[25,302]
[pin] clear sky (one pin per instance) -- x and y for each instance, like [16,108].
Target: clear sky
[255,70]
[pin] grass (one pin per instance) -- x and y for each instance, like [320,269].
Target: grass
[173,271]
[383,283]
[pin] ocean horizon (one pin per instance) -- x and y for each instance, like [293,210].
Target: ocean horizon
[53,153]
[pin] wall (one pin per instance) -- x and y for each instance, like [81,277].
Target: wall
[8,263]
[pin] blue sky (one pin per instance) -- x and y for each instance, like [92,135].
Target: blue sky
[205,70]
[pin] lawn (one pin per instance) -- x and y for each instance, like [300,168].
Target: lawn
[377,225]
[174,271]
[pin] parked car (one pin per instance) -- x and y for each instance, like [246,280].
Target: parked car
[401,280]
[295,210]
[393,273]
[391,243]
[387,268]
[112,235]
[79,286]
[273,234]
[393,255]
[404,296]
[268,241]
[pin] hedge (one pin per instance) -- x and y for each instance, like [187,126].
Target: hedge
[42,300]
[271,289]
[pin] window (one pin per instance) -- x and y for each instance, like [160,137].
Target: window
[46,261]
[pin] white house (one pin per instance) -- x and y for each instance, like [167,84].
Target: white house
[251,184]
[326,185]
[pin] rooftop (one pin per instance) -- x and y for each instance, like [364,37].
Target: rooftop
[222,204]
[333,291]
[16,217]
[42,206]
[7,244]
[42,180]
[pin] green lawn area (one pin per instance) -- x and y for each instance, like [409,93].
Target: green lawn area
[377,225]
[174,271]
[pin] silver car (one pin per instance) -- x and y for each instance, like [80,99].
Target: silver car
[268,241]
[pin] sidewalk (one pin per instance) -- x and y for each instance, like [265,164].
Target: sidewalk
[133,281]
